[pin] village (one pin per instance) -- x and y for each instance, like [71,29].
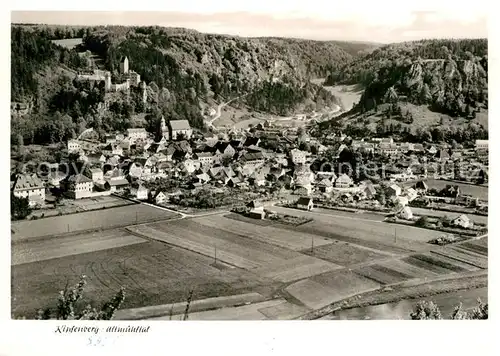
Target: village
[236,192]
[187,169]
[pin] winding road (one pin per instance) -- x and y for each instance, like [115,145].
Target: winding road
[219,111]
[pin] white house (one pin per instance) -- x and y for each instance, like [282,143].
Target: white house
[97,174]
[325,186]
[305,203]
[411,194]
[405,213]
[481,145]
[140,193]
[178,127]
[191,165]
[344,181]
[400,200]
[463,221]
[31,187]
[160,198]
[136,170]
[298,156]
[74,146]
[389,149]
[78,186]
[395,190]
[205,158]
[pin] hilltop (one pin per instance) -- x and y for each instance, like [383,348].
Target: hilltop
[419,84]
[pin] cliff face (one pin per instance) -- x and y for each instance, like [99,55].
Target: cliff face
[453,86]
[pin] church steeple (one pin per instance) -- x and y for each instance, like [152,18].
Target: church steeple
[163,125]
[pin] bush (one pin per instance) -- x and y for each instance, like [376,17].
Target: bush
[422,222]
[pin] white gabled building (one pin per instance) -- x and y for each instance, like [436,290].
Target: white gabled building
[30,187]
[74,146]
[180,127]
[78,186]
[298,156]
[481,145]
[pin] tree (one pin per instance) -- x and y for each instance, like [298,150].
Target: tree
[381,197]
[422,221]
[425,95]
[425,310]
[226,161]
[19,208]
[20,144]
[70,305]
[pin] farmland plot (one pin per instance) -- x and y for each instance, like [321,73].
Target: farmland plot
[231,248]
[264,259]
[433,264]
[152,273]
[482,250]
[98,219]
[344,254]
[382,274]
[321,290]
[408,269]
[196,242]
[347,227]
[287,238]
[45,249]
[463,256]
[300,267]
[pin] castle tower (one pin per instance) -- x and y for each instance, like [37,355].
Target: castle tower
[124,65]
[163,127]
[107,81]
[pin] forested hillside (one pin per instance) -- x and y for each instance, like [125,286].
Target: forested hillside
[187,70]
[196,67]
[448,76]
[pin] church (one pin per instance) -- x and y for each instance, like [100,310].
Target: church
[175,129]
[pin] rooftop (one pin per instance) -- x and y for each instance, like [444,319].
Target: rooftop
[24,181]
[79,178]
[180,125]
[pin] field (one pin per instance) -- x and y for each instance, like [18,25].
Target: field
[70,206]
[326,288]
[478,191]
[98,219]
[438,213]
[152,272]
[345,254]
[355,228]
[282,271]
[238,250]
[69,43]
[46,249]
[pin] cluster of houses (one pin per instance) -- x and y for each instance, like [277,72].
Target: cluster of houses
[124,162]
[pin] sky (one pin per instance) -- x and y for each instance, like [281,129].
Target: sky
[380,21]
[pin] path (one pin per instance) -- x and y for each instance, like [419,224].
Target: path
[219,111]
